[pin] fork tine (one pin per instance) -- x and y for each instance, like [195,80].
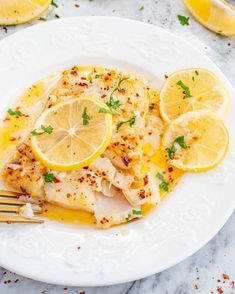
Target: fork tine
[6,201]
[4,193]
[18,219]
[13,208]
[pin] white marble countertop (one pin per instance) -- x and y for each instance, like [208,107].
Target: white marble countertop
[204,271]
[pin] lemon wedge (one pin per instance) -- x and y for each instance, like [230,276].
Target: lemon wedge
[196,141]
[192,89]
[20,11]
[71,134]
[216,15]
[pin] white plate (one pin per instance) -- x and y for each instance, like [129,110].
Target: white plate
[188,218]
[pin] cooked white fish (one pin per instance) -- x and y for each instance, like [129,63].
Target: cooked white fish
[113,187]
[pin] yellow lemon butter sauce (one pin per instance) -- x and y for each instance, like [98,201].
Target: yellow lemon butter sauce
[11,135]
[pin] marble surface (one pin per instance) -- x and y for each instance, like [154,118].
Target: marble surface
[204,272]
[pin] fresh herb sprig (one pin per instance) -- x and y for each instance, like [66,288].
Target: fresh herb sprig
[47,130]
[53,3]
[183,20]
[49,177]
[163,185]
[105,110]
[115,104]
[86,118]
[185,88]
[171,151]
[14,113]
[131,122]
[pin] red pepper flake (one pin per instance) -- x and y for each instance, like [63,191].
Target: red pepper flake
[232,284]
[5,29]
[77,5]
[68,195]
[4,273]
[218,281]
[5,282]
[65,289]
[166,76]
[226,277]
[78,248]
[12,139]
[220,290]
[196,287]
[16,280]
[82,84]
[56,180]
[83,292]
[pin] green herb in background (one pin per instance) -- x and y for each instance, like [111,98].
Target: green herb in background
[183,20]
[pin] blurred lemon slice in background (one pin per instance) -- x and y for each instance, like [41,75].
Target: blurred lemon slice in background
[216,15]
[20,11]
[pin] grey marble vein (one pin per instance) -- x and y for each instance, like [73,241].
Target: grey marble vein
[202,272]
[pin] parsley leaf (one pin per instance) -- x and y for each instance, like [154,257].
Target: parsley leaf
[137,212]
[196,72]
[171,151]
[163,185]
[115,104]
[185,88]
[57,16]
[104,110]
[181,142]
[47,130]
[43,19]
[142,8]
[54,4]
[128,218]
[131,122]
[14,113]
[49,177]
[86,117]
[183,20]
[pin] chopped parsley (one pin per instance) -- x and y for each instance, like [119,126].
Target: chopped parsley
[185,88]
[23,190]
[137,212]
[142,8]
[90,79]
[47,130]
[131,122]
[14,113]
[115,104]
[86,117]
[57,16]
[49,177]
[183,20]
[193,78]
[171,151]
[196,72]
[163,185]
[53,3]
[43,19]
[104,110]
[128,218]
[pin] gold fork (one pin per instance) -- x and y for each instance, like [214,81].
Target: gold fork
[10,203]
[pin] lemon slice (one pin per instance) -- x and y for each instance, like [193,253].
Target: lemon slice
[21,11]
[71,134]
[196,141]
[192,89]
[216,15]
